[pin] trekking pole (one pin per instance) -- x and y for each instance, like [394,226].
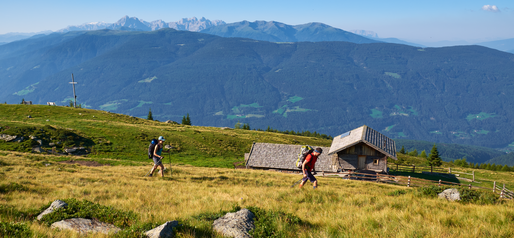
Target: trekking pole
[297,182]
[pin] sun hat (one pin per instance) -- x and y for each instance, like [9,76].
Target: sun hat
[161,138]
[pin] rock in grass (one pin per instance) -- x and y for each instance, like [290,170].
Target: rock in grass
[54,206]
[163,231]
[84,226]
[451,194]
[7,137]
[236,224]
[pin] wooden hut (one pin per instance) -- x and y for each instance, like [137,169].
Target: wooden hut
[362,149]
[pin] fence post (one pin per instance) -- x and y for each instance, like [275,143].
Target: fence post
[450,170]
[494,187]
[431,168]
[439,183]
[408,182]
[413,168]
[473,175]
[377,177]
[502,194]
[469,186]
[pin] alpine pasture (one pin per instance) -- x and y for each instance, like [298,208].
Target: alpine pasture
[203,184]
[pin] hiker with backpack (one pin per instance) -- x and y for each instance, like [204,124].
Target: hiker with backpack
[155,151]
[309,165]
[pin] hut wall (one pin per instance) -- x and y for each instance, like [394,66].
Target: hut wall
[381,165]
[361,149]
[347,161]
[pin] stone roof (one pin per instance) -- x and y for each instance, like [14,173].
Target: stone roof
[366,135]
[280,156]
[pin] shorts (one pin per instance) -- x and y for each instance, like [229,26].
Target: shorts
[157,161]
[310,177]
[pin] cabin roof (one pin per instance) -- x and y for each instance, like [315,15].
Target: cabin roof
[281,156]
[366,135]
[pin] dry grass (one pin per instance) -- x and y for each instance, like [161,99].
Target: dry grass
[338,208]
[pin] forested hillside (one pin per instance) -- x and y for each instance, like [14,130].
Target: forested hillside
[451,94]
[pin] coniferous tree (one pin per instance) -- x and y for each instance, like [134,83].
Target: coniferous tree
[505,168]
[423,154]
[434,159]
[237,125]
[149,117]
[22,100]
[413,153]
[188,119]
[402,150]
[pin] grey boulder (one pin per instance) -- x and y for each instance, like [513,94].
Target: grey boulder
[451,194]
[84,226]
[236,224]
[163,231]
[7,137]
[54,206]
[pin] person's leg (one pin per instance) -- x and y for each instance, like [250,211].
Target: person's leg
[312,179]
[153,169]
[303,182]
[162,170]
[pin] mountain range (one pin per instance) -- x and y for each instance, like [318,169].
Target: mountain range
[452,94]
[260,30]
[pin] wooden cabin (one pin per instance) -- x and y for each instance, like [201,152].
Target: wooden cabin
[362,149]
[357,150]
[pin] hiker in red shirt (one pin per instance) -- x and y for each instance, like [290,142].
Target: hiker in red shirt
[309,165]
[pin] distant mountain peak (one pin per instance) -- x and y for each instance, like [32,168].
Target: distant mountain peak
[133,23]
[365,33]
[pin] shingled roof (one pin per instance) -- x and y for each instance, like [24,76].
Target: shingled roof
[280,156]
[365,135]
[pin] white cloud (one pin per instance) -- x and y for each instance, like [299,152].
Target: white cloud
[490,8]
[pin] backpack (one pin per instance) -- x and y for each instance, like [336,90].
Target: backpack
[305,150]
[151,148]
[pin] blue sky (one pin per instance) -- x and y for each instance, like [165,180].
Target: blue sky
[421,21]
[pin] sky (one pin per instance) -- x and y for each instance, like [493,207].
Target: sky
[412,20]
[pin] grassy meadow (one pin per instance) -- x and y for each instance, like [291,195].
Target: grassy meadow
[203,184]
[126,139]
[193,195]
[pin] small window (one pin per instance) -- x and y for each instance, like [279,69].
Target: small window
[375,161]
[345,134]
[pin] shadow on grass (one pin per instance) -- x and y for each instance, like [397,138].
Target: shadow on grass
[432,177]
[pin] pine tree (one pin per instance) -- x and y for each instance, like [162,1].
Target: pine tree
[434,159]
[423,154]
[505,168]
[149,117]
[413,153]
[22,100]
[237,125]
[188,119]
[402,151]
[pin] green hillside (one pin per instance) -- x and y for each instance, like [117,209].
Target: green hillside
[126,138]
[447,95]
[450,152]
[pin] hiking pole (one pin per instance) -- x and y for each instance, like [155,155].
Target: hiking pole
[297,182]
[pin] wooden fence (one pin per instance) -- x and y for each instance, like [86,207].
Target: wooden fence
[421,169]
[417,182]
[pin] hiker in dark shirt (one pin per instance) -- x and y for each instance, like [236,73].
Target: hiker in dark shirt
[310,165]
[157,158]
